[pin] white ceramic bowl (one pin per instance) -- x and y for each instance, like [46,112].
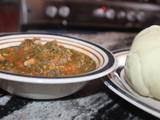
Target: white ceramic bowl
[51,88]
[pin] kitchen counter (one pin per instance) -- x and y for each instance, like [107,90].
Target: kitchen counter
[94,102]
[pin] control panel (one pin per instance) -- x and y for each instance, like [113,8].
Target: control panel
[116,14]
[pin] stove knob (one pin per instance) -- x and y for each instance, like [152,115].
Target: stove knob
[131,16]
[64,11]
[141,17]
[51,11]
[99,12]
[121,15]
[110,14]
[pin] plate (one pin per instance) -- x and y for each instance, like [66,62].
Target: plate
[119,85]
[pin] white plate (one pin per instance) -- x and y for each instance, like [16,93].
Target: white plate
[119,85]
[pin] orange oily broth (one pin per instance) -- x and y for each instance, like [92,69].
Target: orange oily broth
[47,60]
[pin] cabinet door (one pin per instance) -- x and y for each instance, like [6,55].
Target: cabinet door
[9,18]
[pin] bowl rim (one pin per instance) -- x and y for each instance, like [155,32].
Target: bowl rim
[95,74]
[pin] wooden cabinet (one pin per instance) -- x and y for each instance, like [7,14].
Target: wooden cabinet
[9,17]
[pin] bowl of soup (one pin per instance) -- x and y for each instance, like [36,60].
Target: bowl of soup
[49,66]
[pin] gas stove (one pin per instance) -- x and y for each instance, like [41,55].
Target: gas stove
[119,14]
